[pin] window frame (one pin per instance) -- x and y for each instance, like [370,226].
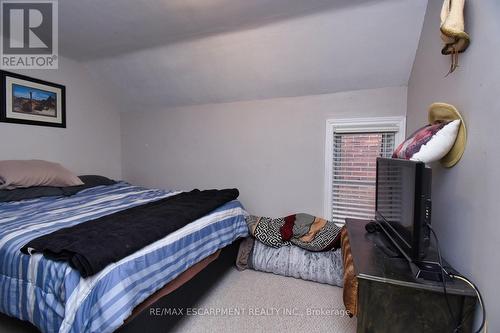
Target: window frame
[355,125]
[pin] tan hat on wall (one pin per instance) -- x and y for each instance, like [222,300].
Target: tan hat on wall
[447,112]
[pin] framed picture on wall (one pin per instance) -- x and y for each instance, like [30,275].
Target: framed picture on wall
[29,101]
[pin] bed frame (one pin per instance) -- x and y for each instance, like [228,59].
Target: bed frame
[181,293]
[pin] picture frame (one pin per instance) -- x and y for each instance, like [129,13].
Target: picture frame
[29,101]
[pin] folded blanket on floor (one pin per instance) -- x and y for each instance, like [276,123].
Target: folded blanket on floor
[303,230]
[90,246]
[323,267]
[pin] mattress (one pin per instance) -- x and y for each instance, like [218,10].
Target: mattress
[55,298]
[293,261]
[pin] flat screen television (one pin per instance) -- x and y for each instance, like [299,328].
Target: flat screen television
[403,205]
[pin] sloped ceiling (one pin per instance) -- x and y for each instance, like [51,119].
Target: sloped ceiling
[168,53]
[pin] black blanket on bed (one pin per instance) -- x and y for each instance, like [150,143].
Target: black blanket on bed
[90,246]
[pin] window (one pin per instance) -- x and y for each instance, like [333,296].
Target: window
[352,147]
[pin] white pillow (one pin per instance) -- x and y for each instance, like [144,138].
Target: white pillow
[439,145]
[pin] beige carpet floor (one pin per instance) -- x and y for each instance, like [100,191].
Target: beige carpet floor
[264,302]
[252,301]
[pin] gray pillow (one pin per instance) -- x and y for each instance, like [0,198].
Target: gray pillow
[89,181]
[46,191]
[19,194]
[21,174]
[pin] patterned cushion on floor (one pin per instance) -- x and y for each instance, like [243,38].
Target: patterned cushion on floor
[306,231]
[267,231]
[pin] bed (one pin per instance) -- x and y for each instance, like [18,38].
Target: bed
[55,298]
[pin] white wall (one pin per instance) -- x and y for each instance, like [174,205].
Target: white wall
[465,198]
[91,142]
[357,47]
[272,150]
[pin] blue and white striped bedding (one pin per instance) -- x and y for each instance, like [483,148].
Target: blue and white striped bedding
[54,297]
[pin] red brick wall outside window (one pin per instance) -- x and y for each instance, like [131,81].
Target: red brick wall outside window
[354,172]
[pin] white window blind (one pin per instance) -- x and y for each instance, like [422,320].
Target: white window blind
[354,172]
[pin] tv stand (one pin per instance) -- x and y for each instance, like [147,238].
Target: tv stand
[384,244]
[428,271]
[392,299]
[425,270]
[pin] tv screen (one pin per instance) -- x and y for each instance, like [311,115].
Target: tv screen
[401,185]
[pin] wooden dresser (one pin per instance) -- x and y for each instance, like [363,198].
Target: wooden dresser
[390,299]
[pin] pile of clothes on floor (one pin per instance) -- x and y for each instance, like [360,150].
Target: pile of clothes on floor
[300,245]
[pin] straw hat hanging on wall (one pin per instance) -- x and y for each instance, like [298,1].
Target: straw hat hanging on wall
[447,112]
[452,30]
